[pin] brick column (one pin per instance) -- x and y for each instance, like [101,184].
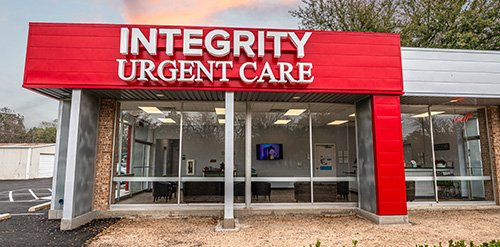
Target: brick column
[494,130]
[485,153]
[104,156]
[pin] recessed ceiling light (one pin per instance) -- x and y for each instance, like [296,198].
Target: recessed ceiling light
[221,121]
[220,111]
[160,94]
[282,121]
[166,120]
[352,115]
[294,112]
[426,114]
[150,109]
[456,100]
[296,97]
[337,122]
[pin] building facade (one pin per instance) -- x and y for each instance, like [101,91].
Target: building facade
[152,118]
[26,160]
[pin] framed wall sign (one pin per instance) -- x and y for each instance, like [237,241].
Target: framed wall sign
[190,166]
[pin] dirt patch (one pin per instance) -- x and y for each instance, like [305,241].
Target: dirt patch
[426,227]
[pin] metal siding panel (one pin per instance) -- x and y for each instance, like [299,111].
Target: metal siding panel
[365,157]
[442,72]
[84,56]
[388,154]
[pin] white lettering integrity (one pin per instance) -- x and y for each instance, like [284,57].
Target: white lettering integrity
[199,57]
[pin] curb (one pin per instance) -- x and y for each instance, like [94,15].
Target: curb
[39,207]
[4,217]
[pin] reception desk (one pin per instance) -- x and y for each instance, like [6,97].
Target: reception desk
[425,188]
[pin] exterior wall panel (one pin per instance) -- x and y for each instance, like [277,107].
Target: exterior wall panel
[80,166]
[84,56]
[454,73]
[389,160]
[13,163]
[365,157]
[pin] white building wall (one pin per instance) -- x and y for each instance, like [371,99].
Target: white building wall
[14,161]
[453,73]
[35,158]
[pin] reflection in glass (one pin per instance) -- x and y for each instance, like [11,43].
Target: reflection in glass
[418,156]
[149,149]
[458,154]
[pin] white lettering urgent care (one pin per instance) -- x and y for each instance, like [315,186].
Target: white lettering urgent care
[216,43]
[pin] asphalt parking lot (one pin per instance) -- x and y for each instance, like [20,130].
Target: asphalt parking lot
[35,229]
[17,196]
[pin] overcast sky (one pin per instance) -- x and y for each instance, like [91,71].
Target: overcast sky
[15,16]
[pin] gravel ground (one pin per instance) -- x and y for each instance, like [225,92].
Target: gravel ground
[425,227]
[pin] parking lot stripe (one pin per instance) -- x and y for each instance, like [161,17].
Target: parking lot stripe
[10,196]
[33,194]
[27,214]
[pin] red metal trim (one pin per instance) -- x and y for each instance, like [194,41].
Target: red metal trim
[389,171]
[62,55]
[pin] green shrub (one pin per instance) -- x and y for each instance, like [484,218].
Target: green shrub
[461,243]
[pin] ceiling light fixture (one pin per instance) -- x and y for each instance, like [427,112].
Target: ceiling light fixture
[294,112]
[221,121]
[337,122]
[282,121]
[166,120]
[426,114]
[296,97]
[151,109]
[352,115]
[455,100]
[220,111]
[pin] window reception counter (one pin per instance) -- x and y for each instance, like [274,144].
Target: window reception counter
[423,177]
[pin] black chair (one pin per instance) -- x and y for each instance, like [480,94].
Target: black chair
[239,189]
[261,189]
[164,190]
[160,190]
[172,190]
[343,190]
[410,191]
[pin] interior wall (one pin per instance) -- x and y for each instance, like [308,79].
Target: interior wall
[338,136]
[206,148]
[210,147]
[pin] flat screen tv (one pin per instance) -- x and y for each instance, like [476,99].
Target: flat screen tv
[269,151]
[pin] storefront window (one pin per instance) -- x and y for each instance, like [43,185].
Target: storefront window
[334,151]
[460,170]
[417,150]
[203,156]
[280,155]
[147,171]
